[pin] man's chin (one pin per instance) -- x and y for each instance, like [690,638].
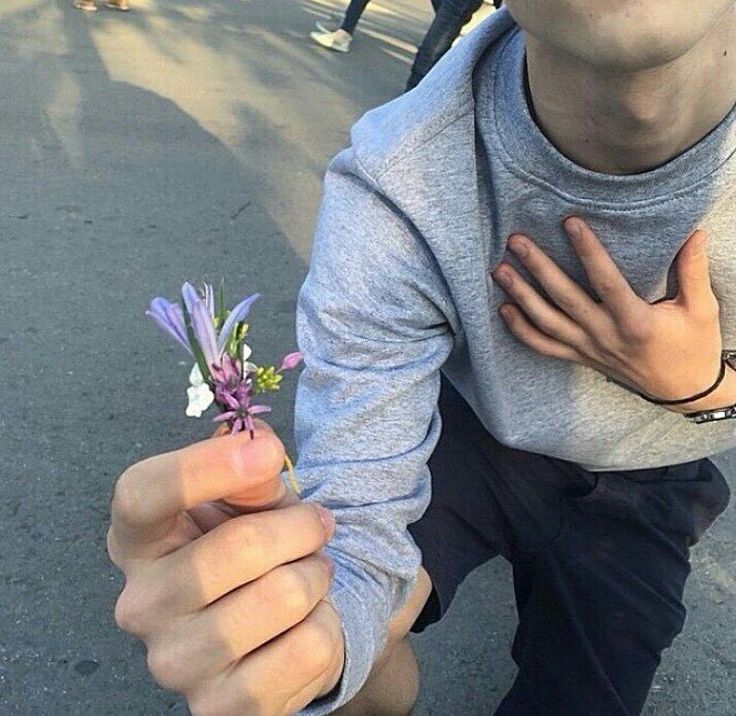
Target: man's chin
[619,37]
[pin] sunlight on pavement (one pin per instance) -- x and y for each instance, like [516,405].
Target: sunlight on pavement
[280,105]
[63,114]
[157,56]
[392,42]
[257,91]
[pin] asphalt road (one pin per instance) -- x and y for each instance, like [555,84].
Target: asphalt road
[183,140]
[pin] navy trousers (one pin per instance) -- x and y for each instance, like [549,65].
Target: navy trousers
[599,561]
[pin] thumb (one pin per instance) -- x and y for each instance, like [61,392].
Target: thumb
[264,454]
[693,274]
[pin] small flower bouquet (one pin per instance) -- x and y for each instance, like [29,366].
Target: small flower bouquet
[222,373]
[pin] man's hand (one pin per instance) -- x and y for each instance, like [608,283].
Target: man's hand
[230,605]
[668,350]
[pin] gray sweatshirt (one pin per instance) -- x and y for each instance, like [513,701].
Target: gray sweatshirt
[415,214]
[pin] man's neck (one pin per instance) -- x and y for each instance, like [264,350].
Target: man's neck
[629,123]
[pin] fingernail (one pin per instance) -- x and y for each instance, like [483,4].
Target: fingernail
[502,277]
[701,240]
[574,228]
[327,519]
[518,246]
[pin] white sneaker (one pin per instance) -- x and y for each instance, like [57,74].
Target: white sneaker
[328,25]
[331,41]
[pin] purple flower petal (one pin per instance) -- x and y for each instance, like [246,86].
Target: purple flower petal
[231,368]
[190,296]
[222,417]
[236,315]
[169,318]
[203,328]
[291,361]
[176,318]
[209,299]
[242,394]
[255,409]
[227,399]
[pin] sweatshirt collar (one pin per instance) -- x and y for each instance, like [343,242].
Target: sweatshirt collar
[526,151]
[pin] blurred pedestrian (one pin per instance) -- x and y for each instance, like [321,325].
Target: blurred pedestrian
[91,5]
[338,35]
[450,17]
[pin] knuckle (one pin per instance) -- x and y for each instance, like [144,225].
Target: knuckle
[636,332]
[166,667]
[247,537]
[589,350]
[606,287]
[208,703]
[128,502]
[601,343]
[565,301]
[137,609]
[203,706]
[113,550]
[129,614]
[316,647]
[548,324]
[293,590]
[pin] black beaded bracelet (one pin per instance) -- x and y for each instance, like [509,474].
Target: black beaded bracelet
[692,398]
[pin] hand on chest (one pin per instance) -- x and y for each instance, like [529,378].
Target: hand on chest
[643,244]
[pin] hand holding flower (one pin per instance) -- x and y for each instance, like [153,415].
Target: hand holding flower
[231,602]
[226,580]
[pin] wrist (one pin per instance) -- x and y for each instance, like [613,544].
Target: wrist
[724,395]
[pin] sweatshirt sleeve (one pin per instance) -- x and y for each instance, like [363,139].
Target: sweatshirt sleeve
[373,322]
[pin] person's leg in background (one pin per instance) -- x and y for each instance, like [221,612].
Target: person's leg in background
[86,5]
[449,19]
[339,38]
[352,15]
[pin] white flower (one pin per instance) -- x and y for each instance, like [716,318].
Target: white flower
[200,398]
[195,377]
[249,367]
[199,394]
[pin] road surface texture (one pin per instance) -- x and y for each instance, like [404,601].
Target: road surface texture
[182,140]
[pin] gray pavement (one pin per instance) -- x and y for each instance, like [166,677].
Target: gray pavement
[188,139]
